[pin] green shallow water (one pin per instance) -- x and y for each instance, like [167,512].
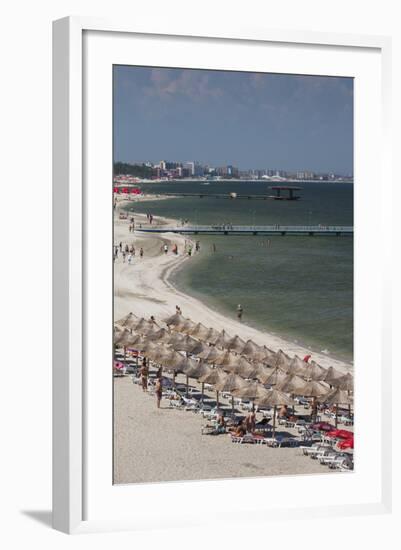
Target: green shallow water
[298,287]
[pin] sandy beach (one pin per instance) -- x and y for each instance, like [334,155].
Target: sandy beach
[166,444]
[144,288]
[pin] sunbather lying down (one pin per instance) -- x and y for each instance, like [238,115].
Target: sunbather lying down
[220,426]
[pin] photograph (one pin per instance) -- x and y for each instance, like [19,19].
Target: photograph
[232,213]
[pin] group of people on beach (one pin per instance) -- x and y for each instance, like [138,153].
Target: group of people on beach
[127,252]
[144,374]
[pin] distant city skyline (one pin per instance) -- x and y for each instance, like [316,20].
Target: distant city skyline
[253,121]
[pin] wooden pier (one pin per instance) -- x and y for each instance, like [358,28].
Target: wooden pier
[228,229]
[282,193]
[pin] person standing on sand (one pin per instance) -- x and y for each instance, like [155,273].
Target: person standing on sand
[129,258]
[158,391]
[214,247]
[144,372]
[123,257]
[165,248]
[239,312]
[141,252]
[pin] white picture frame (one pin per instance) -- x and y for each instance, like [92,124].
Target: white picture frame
[70,342]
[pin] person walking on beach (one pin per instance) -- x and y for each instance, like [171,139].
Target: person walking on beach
[197,246]
[239,312]
[165,248]
[121,246]
[141,252]
[178,310]
[190,250]
[158,391]
[129,258]
[214,247]
[175,249]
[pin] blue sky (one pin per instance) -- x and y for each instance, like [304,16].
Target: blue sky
[250,120]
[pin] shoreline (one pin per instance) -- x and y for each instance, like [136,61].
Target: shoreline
[154,273]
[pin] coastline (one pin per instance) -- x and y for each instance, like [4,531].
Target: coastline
[155,293]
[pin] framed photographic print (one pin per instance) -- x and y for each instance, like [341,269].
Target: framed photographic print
[219,266]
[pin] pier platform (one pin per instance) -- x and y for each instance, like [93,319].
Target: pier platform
[229,229]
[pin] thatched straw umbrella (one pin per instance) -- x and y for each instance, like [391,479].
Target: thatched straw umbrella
[236,344]
[251,391]
[298,366]
[162,336]
[227,359]
[211,336]
[241,366]
[262,373]
[175,320]
[282,361]
[273,378]
[186,366]
[346,382]
[268,357]
[292,384]
[123,337]
[313,389]
[245,369]
[196,371]
[163,351]
[211,354]
[184,327]
[175,338]
[315,372]
[274,398]
[251,350]
[199,331]
[215,377]
[126,338]
[222,341]
[229,384]
[186,344]
[173,362]
[144,326]
[332,375]
[337,397]
[129,321]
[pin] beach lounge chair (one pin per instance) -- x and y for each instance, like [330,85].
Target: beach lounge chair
[247,438]
[176,404]
[343,463]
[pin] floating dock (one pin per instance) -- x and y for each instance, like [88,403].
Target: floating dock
[301,230]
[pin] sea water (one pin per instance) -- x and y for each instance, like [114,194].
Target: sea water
[300,288]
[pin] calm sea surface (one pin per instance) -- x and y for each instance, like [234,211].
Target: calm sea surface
[298,287]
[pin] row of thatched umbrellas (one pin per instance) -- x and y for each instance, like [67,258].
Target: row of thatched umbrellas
[234,361]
